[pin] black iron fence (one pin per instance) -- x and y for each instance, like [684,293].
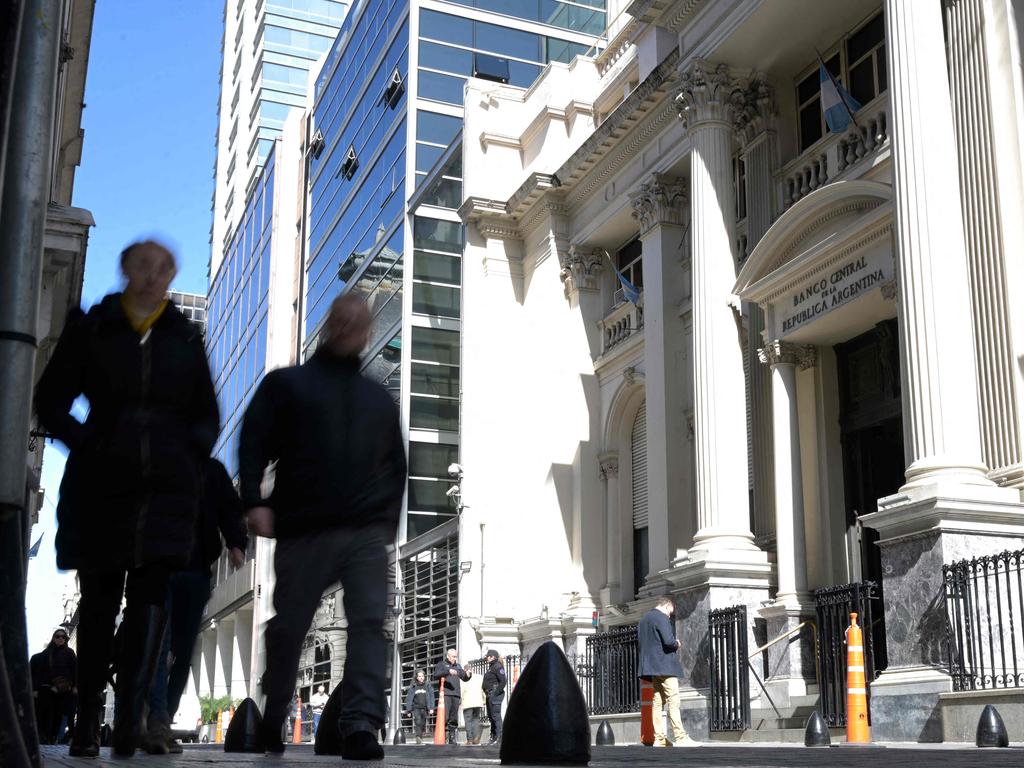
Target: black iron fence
[834,606]
[607,671]
[985,621]
[730,682]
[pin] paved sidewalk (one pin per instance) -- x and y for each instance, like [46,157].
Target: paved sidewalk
[739,756]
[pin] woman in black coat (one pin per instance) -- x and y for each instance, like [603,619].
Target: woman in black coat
[128,500]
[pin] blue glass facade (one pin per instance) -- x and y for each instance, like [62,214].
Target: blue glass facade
[236,338]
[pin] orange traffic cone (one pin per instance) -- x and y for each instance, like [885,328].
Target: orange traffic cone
[646,713]
[218,736]
[857,729]
[441,715]
[297,726]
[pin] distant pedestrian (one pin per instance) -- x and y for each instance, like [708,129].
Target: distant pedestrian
[659,663]
[338,487]
[495,681]
[220,515]
[419,702]
[317,702]
[473,708]
[451,673]
[54,670]
[130,493]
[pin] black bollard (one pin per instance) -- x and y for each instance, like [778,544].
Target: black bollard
[546,722]
[327,740]
[991,730]
[816,733]
[605,736]
[245,732]
[399,737]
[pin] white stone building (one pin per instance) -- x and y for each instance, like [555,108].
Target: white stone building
[821,382]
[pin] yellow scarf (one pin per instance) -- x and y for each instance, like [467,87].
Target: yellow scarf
[142,323]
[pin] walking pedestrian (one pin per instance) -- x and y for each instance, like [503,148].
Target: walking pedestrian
[495,681]
[452,675]
[419,702]
[317,702]
[338,487]
[659,663]
[220,515]
[129,496]
[53,671]
[473,708]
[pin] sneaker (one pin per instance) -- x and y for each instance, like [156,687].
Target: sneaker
[686,741]
[361,745]
[419,740]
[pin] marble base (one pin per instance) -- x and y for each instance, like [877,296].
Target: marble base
[905,705]
[788,667]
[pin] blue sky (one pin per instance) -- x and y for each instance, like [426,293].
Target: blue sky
[147,165]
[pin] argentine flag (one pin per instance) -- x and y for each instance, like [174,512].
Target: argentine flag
[629,291]
[836,103]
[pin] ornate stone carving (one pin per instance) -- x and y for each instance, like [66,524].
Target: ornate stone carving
[661,199]
[632,376]
[581,268]
[756,112]
[609,465]
[890,290]
[710,92]
[784,353]
[500,228]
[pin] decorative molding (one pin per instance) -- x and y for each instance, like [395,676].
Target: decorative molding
[498,228]
[858,206]
[581,269]
[660,200]
[890,290]
[777,352]
[609,465]
[710,93]
[632,376]
[757,112]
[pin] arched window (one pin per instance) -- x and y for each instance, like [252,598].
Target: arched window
[638,463]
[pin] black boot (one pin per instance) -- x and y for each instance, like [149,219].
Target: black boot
[85,741]
[144,635]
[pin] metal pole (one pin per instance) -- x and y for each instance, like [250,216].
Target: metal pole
[26,193]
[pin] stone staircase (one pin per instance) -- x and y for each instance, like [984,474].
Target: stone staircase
[785,727]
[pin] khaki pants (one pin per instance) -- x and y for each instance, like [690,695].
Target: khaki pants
[666,694]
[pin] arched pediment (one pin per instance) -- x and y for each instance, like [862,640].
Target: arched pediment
[814,224]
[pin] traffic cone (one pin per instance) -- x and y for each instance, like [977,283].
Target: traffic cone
[441,714]
[245,731]
[297,725]
[605,735]
[646,713]
[816,732]
[546,721]
[327,739]
[218,734]
[991,730]
[857,729]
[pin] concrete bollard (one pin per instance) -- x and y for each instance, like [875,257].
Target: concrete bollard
[399,736]
[605,735]
[991,730]
[816,733]
[245,731]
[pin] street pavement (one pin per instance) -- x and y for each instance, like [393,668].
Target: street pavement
[731,756]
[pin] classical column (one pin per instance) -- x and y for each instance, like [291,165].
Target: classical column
[611,593]
[784,359]
[580,272]
[659,208]
[723,509]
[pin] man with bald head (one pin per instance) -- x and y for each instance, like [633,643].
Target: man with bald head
[334,508]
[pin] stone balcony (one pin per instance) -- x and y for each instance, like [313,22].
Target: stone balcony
[622,323]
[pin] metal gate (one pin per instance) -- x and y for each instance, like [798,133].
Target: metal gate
[730,683]
[834,606]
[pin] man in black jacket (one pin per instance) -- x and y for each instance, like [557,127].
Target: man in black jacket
[419,702]
[659,663]
[494,688]
[334,509]
[453,674]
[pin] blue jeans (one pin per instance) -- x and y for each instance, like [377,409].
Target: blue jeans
[186,598]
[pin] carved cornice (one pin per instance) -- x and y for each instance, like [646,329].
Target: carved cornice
[784,353]
[710,93]
[609,465]
[581,269]
[491,218]
[497,227]
[659,200]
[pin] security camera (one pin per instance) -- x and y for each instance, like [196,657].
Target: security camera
[454,470]
[453,491]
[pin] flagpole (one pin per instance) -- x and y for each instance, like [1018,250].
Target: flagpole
[839,89]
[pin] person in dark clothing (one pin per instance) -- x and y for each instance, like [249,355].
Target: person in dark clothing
[220,514]
[451,673]
[129,496]
[338,487]
[495,681]
[659,663]
[53,670]
[419,702]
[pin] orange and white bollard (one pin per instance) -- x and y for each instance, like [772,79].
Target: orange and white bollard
[439,724]
[857,729]
[218,733]
[646,713]
[297,724]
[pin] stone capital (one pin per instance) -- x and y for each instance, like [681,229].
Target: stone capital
[581,268]
[710,93]
[659,200]
[755,111]
[609,465]
[784,353]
